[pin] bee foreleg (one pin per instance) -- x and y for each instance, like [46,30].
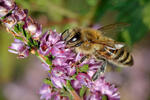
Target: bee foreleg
[82,59]
[100,70]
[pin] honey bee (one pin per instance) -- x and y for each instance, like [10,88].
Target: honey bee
[93,43]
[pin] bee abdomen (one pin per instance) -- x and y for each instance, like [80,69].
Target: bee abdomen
[123,57]
[118,56]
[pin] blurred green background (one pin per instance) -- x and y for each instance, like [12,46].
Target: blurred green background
[21,78]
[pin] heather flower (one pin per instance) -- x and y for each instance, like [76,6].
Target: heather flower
[18,47]
[93,96]
[84,79]
[59,72]
[54,37]
[71,70]
[93,65]
[63,68]
[57,96]
[59,61]
[45,92]
[46,66]
[16,15]
[51,44]
[33,28]
[76,84]
[58,77]
[105,88]
[49,93]
[10,21]
[20,14]
[6,6]
[46,43]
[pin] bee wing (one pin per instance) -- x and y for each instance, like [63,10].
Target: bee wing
[115,46]
[113,28]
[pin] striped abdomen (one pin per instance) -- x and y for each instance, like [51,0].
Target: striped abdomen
[118,56]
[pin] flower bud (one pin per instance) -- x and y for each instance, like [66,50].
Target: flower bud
[6,6]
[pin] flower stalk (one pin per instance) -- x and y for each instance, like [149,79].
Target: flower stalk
[65,81]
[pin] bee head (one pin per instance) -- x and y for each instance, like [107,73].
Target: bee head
[72,37]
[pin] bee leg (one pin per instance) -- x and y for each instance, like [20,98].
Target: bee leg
[100,71]
[82,59]
[103,67]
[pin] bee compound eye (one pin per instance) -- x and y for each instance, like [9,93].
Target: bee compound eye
[75,37]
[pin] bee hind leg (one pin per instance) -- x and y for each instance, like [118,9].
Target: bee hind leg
[100,71]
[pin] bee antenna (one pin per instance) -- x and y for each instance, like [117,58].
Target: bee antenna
[64,32]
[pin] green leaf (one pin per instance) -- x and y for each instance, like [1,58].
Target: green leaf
[83,90]
[36,53]
[25,33]
[104,97]
[20,38]
[48,82]
[65,93]
[36,43]
[68,85]
[74,77]
[2,18]
[29,44]
[31,41]
[19,27]
[48,61]
[16,28]
[84,68]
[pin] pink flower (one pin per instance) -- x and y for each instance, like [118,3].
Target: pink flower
[93,96]
[46,92]
[47,42]
[18,47]
[46,66]
[19,14]
[84,79]
[6,6]
[63,69]
[58,77]
[33,28]
[105,88]
[51,44]
[49,93]
[10,21]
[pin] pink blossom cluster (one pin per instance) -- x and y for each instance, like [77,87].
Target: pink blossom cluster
[63,70]
[63,74]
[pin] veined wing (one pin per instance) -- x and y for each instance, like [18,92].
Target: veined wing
[113,28]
